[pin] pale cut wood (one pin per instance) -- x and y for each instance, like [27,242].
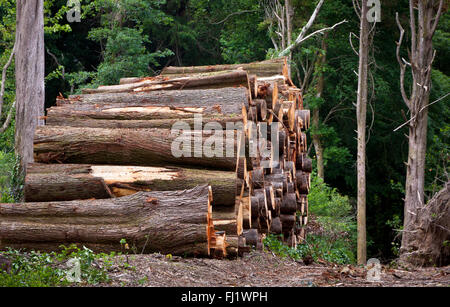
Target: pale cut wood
[64,182]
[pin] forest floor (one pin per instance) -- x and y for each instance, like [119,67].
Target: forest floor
[261,269]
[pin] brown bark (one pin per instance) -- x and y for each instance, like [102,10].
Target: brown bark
[318,146]
[64,182]
[29,67]
[421,56]
[207,98]
[233,78]
[141,147]
[261,69]
[112,116]
[168,222]
[429,246]
[361,110]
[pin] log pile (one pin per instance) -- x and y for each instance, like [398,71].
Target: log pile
[105,167]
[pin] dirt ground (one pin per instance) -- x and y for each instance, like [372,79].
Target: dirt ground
[261,269]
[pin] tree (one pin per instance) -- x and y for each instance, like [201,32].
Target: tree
[318,146]
[421,56]
[29,65]
[361,110]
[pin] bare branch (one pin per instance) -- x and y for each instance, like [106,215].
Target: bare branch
[232,14]
[8,118]
[298,42]
[401,63]
[304,30]
[5,68]
[423,108]
[351,43]
[412,24]
[357,8]
[438,15]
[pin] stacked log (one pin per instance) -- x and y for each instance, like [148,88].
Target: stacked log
[115,144]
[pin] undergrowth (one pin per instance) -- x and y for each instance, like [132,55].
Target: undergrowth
[335,239]
[36,269]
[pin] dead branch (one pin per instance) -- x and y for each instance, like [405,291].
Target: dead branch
[301,40]
[401,63]
[8,118]
[5,68]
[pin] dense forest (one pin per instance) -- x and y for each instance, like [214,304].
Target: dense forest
[130,38]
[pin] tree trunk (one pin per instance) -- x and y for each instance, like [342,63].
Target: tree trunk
[140,147]
[218,80]
[64,182]
[429,245]
[421,59]
[29,66]
[172,222]
[261,69]
[315,116]
[361,110]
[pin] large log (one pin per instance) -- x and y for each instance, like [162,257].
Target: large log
[141,147]
[223,79]
[152,110]
[261,69]
[64,182]
[172,222]
[209,99]
[137,117]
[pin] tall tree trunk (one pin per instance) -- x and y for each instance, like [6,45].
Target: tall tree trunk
[289,15]
[315,116]
[361,109]
[30,71]
[421,59]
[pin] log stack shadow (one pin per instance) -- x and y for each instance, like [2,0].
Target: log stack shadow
[105,169]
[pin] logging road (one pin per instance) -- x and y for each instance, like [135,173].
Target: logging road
[262,269]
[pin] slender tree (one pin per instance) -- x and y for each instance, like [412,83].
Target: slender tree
[361,110]
[316,137]
[29,65]
[421,56]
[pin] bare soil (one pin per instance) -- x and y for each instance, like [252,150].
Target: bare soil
[261,269]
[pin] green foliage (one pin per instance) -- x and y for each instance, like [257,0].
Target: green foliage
[336,240]
[326,201]
[318,247]
[125,55]
[31,269]
[36,269]
[11,178]
[91,272]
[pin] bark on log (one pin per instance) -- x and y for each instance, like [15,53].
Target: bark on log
[261,69]
[135,117]
[209,99]
[64,182]
[142,147]
[234,78]
[168,222]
